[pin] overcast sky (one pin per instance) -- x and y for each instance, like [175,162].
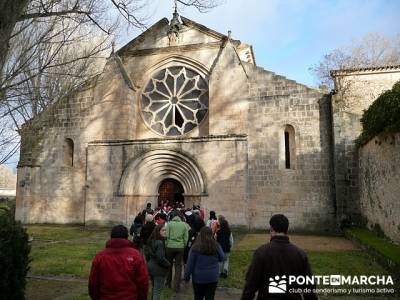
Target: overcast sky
[289,36]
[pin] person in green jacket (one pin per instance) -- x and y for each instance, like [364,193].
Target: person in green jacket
[157,262]
[177,238]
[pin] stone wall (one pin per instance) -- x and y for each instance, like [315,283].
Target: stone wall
[303,192]
[239,146]
[48,189]
[221,159]
[355,92]
[107,108]
[379,162]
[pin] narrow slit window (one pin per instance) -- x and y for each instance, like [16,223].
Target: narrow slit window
[68,152]
[287,150]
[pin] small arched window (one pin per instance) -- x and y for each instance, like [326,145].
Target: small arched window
[289,148]
[68,152]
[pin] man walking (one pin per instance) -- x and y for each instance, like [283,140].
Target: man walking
[272,265]
[118,271]
[177,238]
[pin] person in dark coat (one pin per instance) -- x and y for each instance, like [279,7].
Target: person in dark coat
[173,213]
[135,230]
[147,230]
[225,238]
[198,222]
[192,235]
[148,210]
[160,218]
[157,262]
[136,225]
[272,265]
[203,265]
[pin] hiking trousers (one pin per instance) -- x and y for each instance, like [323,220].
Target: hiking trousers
[204,291]
[175,257]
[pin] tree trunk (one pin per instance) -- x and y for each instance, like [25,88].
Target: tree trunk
[10,11]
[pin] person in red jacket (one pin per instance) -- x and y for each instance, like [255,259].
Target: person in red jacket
[118,271]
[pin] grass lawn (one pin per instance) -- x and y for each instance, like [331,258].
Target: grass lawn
[379,244]
[62,233]
[69,250]
[65,251]
[72,259]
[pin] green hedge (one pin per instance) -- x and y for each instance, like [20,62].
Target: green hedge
[382,116]
[14,256]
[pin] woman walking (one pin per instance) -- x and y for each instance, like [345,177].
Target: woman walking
[225,239]
[146,231]
[135,230]
[203,265]
[157,262]
[212,222]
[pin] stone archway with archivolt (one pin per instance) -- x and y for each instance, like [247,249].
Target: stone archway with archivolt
[141,179]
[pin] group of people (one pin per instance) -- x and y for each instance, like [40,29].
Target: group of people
[123,269]
[172,239]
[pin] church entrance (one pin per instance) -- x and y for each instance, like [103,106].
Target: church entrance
[170,190]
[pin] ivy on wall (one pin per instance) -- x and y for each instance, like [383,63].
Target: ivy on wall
[383,116]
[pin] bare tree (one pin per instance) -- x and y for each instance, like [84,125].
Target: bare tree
[17,18]
[9,140]
[201,5]
[97,12]
[374,49]
[50,58]
[49,47]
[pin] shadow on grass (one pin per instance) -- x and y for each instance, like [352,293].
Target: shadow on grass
[62,232]
[69,250]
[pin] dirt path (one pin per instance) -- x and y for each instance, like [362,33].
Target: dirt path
[44,289]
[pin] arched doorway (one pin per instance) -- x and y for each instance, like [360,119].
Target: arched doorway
[142,177]
[170,190]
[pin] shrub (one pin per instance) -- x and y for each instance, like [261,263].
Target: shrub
[382,116]
[14,256]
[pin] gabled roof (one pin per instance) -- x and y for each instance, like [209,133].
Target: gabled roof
[372,69]
[165,22]
[202,28]
[190,23]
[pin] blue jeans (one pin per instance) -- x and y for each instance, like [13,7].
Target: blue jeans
[224,266]
[157,283]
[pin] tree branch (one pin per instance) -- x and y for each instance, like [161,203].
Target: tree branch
[52,14]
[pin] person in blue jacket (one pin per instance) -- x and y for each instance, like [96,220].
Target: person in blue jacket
[203,265]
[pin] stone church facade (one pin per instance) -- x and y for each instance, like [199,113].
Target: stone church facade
[184,108]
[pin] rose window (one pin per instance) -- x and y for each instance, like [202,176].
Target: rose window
[174,101]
